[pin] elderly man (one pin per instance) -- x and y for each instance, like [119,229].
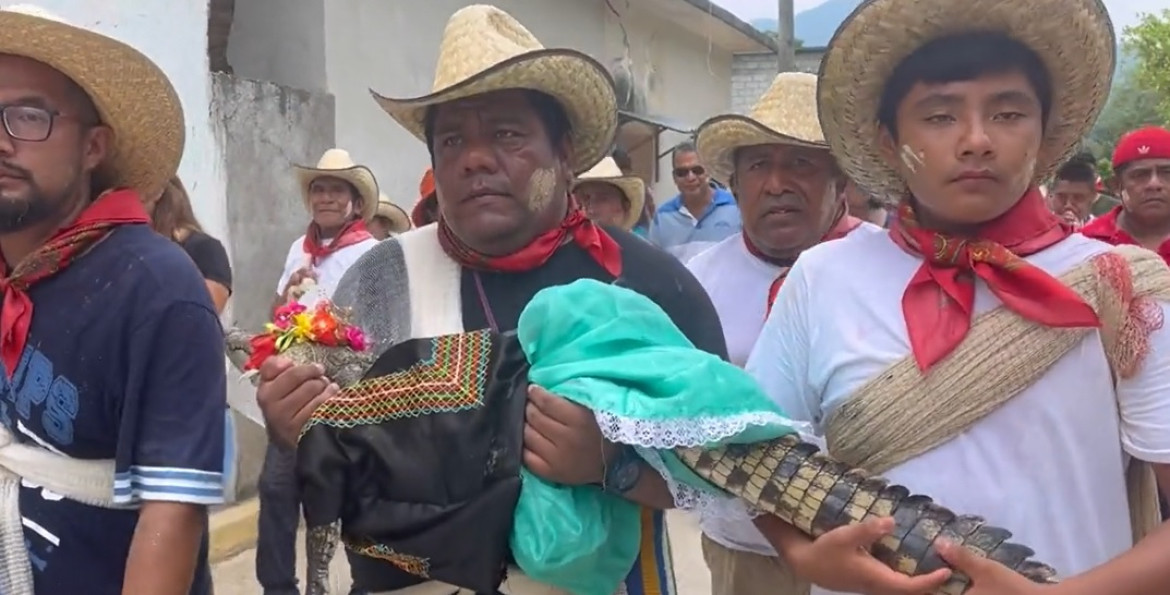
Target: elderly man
[788,189]
[113,426]
[508,126]
[388,220]
[943,354]
[610,196]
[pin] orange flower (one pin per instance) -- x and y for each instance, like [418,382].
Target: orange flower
[263,347]
[324,328]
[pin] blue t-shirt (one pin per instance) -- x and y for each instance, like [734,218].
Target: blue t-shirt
[124,361]
[685,235]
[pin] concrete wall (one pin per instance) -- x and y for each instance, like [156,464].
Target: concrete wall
[392,47]
[687,76]
[263,128]
[752,73]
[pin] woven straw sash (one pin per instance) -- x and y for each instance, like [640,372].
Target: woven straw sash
[901,414]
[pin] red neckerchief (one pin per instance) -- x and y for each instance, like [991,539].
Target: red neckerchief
[594,240]
[939,300]
[351,233]
[845,224]
[1106,229]
[109,211]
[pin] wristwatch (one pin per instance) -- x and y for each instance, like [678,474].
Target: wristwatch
[623,472]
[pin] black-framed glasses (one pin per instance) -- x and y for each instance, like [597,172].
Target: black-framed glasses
[28,123]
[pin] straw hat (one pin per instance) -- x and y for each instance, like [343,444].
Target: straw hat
[484,49]
[336,163]
[608,172]
[131,93]
[1078,48]
[786,114]
[399,221]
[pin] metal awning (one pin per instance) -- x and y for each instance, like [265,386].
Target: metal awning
[651,126]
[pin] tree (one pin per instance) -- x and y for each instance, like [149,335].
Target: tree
[1130,106]
[1149,42]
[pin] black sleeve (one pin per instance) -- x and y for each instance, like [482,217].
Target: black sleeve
[211,258]
[661,277]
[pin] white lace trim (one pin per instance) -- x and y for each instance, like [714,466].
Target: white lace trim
[649,436]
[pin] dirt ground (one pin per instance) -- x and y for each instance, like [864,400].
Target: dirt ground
[237,576]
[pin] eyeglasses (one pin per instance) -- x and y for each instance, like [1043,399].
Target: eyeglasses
[28,123]
[681,172]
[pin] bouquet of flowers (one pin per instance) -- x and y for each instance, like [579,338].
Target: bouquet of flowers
[294,323]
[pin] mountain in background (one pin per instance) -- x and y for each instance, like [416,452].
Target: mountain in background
[815,26]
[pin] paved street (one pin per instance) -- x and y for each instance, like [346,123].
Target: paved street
[236,576]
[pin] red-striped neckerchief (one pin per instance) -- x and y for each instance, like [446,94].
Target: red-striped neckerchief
[576,227]
[352,233]
[105,214]
[939,301]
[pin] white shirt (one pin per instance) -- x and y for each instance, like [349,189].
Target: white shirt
[329,270]
[738,284]
[1048,465]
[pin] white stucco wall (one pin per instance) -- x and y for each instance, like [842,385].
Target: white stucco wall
[173,34]
[392,47]
[689,78]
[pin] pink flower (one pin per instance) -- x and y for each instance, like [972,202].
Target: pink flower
[356,338]
[284,314]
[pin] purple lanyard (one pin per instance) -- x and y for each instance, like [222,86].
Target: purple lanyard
[483,302]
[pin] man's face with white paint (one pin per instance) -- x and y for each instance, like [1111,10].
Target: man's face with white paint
[499,178]
[967,149]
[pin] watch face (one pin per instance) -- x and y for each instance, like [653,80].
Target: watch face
[626,475]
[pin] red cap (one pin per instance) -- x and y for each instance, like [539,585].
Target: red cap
[1151,142]
[426,186]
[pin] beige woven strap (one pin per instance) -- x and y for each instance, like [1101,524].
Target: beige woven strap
[901,413]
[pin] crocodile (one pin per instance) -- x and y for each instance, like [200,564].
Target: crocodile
[786,477]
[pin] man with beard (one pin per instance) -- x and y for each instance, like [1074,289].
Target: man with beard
[1074,190]
[979,351]
[113,426]
[788,189]
[1141,166]
[508,126]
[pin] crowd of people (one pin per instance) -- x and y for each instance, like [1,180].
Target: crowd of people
[901,251]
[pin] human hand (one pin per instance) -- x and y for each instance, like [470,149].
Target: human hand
[988,577]
[562,442]
[296,279]
[288,395]
[840,560]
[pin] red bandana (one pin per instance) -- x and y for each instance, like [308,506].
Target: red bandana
[939,301]
[102,216]
[594,240]
[352,233]
[845,224]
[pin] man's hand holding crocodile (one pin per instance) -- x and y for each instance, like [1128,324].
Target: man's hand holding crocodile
[288,394]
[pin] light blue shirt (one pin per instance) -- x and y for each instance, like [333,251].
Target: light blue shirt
[686,234]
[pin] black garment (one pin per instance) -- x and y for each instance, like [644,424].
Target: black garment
[645,269]
[280,515]
[210,256]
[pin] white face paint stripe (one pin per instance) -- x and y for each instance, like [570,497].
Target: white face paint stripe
[911,159]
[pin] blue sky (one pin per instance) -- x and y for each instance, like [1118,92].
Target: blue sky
[1124,12]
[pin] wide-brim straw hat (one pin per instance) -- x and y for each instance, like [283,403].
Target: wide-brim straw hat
[337,163]
[785,114]
[133,96]
[399,220]
[634,189]
[1073,38]
[484,49]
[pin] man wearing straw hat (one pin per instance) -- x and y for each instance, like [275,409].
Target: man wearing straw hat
[111,444]
[508,126]
[979,351]
[340,196]
[610,197]
[388,220]
[788,189]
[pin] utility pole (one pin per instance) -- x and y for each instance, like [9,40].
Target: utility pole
[786,36]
